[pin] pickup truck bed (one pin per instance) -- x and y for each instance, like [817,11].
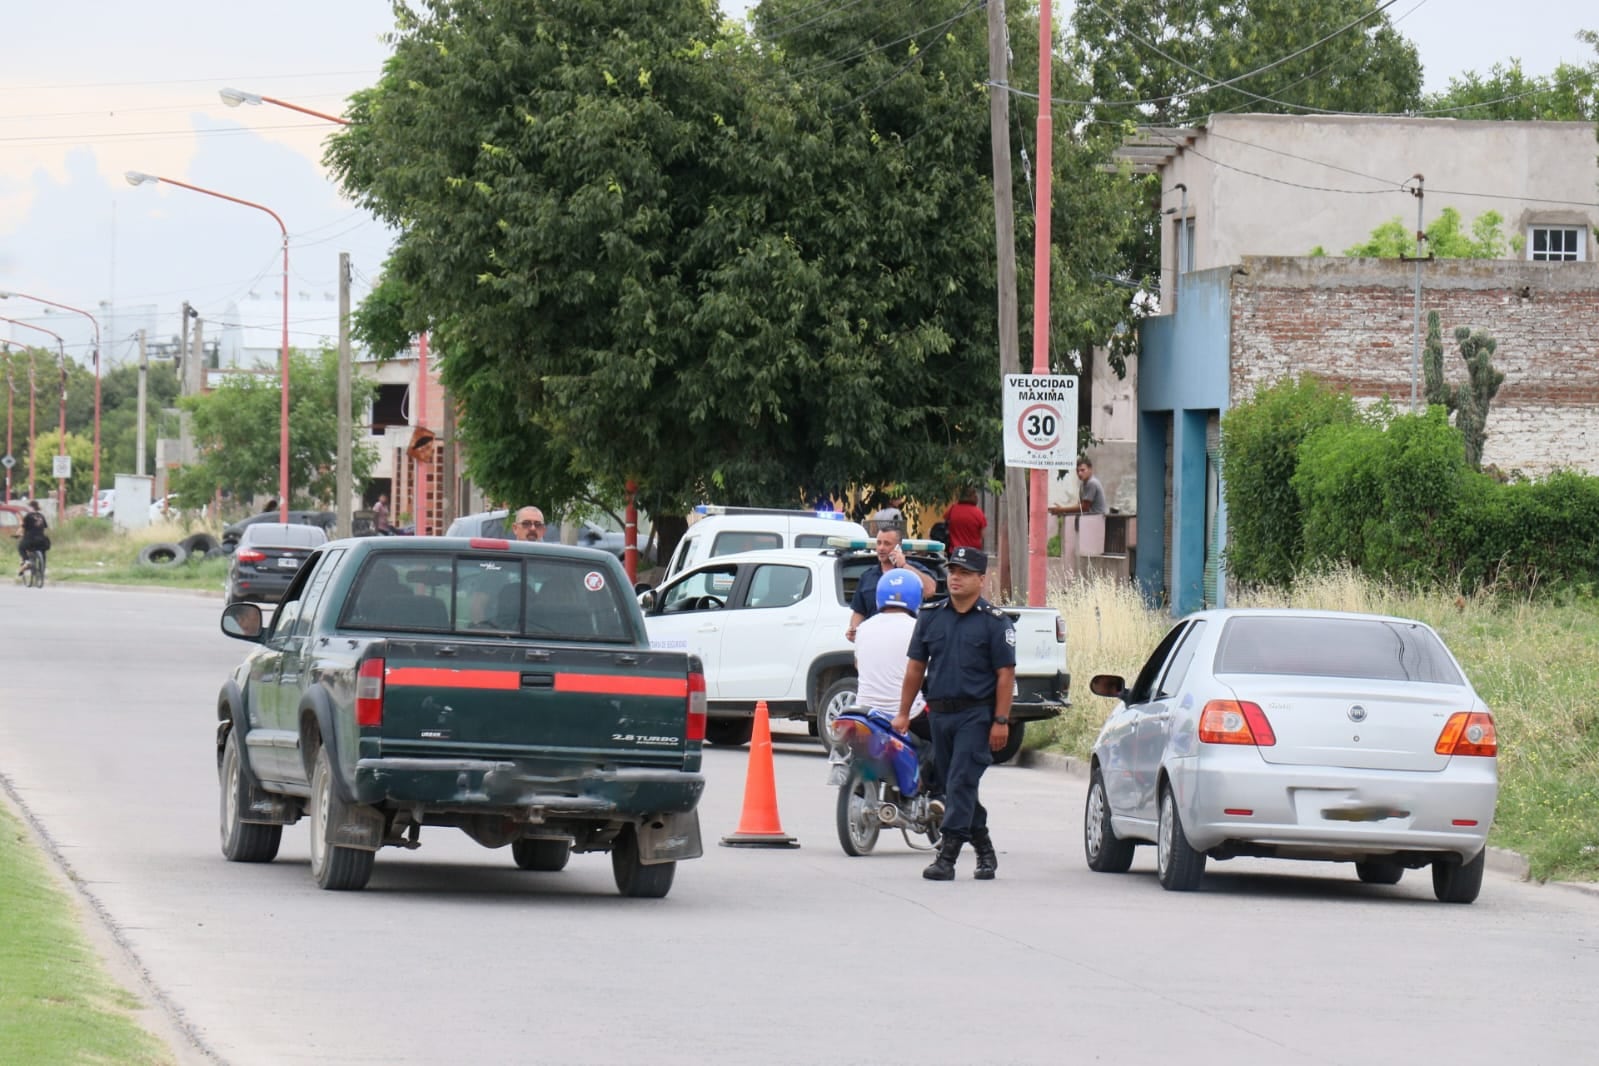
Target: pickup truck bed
[501,688]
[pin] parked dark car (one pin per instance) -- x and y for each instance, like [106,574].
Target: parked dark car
[323,520]
[267,557]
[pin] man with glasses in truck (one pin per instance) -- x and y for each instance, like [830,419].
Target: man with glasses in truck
[529,524]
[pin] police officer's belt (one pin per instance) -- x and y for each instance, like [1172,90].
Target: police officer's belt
[950,706]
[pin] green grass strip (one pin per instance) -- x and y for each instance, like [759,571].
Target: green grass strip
[56,1003]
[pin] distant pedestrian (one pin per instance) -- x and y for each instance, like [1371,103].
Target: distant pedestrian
[965,649]
[380,514]
[1091,494]
[965,521]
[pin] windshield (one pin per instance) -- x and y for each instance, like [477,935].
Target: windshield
[1319,646]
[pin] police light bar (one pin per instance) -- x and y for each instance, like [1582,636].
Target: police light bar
[908,545]
[849,542]
[715,508]
[923,545]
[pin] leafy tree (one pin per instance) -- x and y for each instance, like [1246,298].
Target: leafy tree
[1445,238]
[45,448]
[1260,440]
[236,427]
[1570,94]
[650,249]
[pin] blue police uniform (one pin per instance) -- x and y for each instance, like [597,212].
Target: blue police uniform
[864,602]
[963,652]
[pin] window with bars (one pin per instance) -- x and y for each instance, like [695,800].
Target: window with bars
[1556,243]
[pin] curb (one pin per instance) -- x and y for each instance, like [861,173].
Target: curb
[1500,860]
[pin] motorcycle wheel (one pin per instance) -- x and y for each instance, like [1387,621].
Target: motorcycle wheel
[857,814]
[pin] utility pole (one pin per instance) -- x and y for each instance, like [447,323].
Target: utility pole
[33,425]
[144,370]
[450,500]
[1415,329]
[1013,504]
[194,366]
[344,471]
[183,344]
[1038,517]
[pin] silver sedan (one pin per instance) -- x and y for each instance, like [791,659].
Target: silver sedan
[1296,735]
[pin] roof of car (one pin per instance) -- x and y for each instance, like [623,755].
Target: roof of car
[290,535]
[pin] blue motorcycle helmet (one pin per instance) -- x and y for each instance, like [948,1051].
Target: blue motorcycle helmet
[900,587]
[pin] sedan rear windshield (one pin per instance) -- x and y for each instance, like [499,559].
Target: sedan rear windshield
[1366,648]
[490,596]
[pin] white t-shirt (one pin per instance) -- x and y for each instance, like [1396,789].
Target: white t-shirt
[881,643]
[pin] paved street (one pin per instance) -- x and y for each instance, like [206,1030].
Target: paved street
[453,955]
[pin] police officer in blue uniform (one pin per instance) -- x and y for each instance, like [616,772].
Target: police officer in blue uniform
[965,649]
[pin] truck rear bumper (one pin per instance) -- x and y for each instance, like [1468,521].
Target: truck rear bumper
[1040,696]
[507,784]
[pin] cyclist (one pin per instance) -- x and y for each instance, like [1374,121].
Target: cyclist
[33,537]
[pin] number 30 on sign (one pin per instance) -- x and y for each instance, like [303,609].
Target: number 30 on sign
[1040,421]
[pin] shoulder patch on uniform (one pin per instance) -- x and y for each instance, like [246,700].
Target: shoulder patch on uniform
[997,613]
[1010,637]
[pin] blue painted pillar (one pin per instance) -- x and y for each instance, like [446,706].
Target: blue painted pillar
[1188,520]
[1153,429]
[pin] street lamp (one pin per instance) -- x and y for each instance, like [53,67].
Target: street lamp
[11,395]
[134,177]
[94,505]
[235,97]
[61,483]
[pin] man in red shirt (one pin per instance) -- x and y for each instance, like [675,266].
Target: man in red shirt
[965,521]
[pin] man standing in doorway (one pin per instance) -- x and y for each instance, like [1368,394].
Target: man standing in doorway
[965,649]
[380,514]
[1091,494]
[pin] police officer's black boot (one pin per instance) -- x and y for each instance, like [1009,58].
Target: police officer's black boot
[987,860]
[943,867]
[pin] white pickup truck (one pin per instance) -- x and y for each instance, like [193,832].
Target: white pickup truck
[769,625]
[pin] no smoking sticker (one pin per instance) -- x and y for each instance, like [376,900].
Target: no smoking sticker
[1040,413]
[594,581]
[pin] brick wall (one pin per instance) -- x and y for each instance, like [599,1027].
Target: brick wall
[1349,322]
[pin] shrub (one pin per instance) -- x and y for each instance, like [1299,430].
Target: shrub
[1260,441]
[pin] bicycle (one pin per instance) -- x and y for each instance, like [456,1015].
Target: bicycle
[33,569]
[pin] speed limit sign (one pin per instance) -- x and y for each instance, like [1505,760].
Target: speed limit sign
[1040,413]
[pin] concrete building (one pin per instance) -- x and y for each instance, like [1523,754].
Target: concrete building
[1251,309]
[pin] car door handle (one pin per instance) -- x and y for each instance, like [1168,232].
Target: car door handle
[1157,717]
[708,628]
[794,622]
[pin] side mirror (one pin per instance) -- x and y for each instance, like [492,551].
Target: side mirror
[646,599]
[242,621]
[1109,685]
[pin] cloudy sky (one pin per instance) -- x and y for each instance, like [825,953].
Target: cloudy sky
[91,89]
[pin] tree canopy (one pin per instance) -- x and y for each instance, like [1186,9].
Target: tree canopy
[1569,94]
[1446,238]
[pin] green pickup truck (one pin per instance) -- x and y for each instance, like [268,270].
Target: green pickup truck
[503,688]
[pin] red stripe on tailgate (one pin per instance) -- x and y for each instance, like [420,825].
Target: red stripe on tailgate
[434,677]
[616,685]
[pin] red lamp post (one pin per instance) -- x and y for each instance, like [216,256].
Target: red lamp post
[61,483]
[94,502]
[134,177]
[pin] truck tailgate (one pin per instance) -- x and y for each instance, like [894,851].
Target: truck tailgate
[559,703]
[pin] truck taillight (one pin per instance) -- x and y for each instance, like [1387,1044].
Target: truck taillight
[1468,733]
[694,727]
[369,693]
[1235,722]
[1060,628]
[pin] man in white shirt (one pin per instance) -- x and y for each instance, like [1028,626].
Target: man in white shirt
[881,642]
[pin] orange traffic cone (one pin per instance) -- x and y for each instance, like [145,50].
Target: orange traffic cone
[758,826]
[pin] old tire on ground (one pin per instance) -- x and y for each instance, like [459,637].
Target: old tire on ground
[1177,864]
[1379,872]
[198,545]
[242,841]
[546,855]
[335,868]
[1106,852]
[633,878]
[1458,882]
[836,698]
[1013,742]
[163,555]
[729,731]
[857,814]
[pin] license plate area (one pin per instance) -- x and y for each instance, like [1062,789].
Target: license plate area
[1343,806]
[286,562]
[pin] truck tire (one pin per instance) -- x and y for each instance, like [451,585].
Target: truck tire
[547,855]
[633,878]
[335,869]
[730,732]
[838,697]
[163,555]
[242,841]
[1013,743]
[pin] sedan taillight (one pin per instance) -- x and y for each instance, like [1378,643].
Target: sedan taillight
[1235,722]
[369,693]
[1468,733]
[250,555]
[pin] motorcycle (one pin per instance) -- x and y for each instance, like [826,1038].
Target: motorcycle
[879,774]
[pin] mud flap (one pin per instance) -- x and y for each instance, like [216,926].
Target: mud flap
[269,808]
[355,826]
[669,837]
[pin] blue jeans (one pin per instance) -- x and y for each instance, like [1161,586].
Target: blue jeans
[961,752]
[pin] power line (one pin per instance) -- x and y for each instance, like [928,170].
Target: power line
[920,53]
[220,79]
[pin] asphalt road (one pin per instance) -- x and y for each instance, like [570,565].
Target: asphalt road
[804,956]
